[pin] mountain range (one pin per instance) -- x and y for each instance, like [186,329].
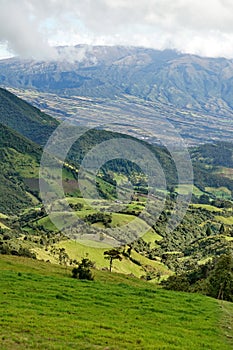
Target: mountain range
[98,84]
[187,81]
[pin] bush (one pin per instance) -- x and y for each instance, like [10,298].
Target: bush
[99,217]
[83,271]
[220,281]
[177,283]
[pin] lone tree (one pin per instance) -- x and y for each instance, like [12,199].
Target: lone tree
[220,281]
[208,231]
[111,255]
[83,271]
[63,257]
[222,230]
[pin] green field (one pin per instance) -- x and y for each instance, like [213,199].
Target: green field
[77,251]
[118,219]
[3,226]
[220,192]
[43,308]
[207,207]
[186,189]
[150,237]
[225,220]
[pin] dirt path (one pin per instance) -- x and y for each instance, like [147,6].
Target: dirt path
[226,321]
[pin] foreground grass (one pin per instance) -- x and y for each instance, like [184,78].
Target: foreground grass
[41,307]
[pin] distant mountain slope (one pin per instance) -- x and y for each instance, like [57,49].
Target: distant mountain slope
[213,165]
[215,154]
[194,93]
[181,80]
[24,118]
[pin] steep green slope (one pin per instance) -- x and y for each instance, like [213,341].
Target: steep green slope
[46,309]
[19,158]
[213,167]
[13,139]
[25,119]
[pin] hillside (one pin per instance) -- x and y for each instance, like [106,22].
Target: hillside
[35,125]
[19,160]
[157,252]
[218,154]
[24,118]
[46,309]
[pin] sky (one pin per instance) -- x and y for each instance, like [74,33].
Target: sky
[31,28]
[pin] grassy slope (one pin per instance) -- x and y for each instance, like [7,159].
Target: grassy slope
[207,207]
[3,226]
[77,251]
[150,237]
[43,308]
[225,220]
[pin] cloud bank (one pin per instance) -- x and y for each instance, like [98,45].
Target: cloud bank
[30,28]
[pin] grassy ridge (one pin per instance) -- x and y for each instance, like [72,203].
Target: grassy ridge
[43,308]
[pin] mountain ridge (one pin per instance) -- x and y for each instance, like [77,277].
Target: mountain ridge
[168,76]
[100,83]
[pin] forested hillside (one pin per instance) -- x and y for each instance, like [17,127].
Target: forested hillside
[20,158]
[24,118]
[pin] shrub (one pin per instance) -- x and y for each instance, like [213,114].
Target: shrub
[83,270]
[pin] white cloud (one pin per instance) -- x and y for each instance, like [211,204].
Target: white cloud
[202,27]
[19,28]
